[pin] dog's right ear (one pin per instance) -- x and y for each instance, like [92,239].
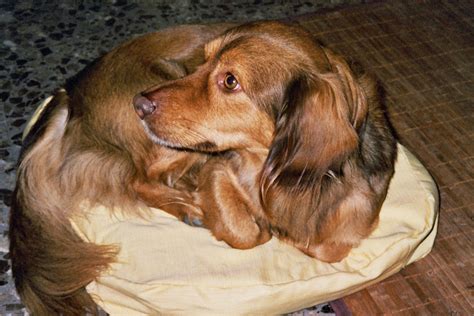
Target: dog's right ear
[211,48]
[169,69]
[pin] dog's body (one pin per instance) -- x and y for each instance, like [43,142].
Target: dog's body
[269,86]
[89,147]
[272,134]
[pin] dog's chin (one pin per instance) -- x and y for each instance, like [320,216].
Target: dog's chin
[206,146]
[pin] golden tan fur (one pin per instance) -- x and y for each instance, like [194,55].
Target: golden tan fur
[304,148]
[300,149]
[89,146]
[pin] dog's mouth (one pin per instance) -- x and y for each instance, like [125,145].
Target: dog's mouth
[204,146]
[145,108]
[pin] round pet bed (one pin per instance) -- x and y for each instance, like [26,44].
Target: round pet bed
[166,266]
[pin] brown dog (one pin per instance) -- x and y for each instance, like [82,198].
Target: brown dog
[89,147]
[269,86]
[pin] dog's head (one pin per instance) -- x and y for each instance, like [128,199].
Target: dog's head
[264,84]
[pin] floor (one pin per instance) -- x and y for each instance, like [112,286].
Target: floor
[423,53]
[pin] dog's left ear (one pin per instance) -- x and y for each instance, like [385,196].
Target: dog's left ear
[316,128]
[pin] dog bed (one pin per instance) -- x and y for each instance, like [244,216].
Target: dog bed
[165,266]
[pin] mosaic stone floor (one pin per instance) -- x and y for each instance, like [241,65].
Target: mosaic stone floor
[42,43]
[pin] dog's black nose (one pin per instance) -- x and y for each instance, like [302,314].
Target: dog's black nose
[143,106]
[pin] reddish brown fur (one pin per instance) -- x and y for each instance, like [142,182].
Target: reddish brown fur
[90,146]
[305,137]
[330,149]
[228,194]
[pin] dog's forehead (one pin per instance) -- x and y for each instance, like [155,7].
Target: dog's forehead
[243,48]
[223,44]
[266,35]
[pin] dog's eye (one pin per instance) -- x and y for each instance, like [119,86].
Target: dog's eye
[230,82]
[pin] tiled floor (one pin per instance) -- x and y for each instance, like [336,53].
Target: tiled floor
[44,42]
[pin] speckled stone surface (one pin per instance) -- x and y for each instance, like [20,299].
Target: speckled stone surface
[42,43]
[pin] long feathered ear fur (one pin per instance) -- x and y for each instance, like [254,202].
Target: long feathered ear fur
[316,129]
[312,185]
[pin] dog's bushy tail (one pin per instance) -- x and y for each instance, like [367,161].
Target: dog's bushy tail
[51,264]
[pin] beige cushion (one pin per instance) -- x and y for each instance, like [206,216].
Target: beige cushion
[166,266]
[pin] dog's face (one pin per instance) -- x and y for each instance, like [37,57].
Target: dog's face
[263,84]
[208,110]
[233,100]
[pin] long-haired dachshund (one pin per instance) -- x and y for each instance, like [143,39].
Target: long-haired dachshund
[89,148]
[306,150]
